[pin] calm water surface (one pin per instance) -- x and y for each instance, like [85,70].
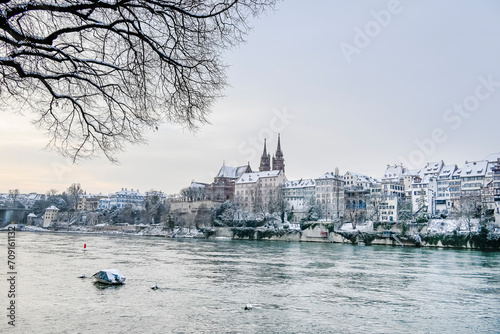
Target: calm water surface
[205,284]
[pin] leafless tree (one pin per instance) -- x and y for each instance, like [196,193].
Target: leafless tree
[191,194]
[74,192]
[98,74]
[13,195]
[373,206]
[51,193]
[471,206]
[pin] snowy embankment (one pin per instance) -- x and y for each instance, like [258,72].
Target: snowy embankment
[461,225]
[366,227]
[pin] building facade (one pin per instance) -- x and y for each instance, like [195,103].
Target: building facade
[50,215]
[257,192]
[298,195]
[330,195]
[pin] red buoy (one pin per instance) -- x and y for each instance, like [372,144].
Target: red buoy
[84,246]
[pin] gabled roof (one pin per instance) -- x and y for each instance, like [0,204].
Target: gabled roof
[232,172]
[255,176]
[447,171]
[329,175]
[394,172]
[361,177]
[433,167]
[302,183]
[474,168]
[197,185]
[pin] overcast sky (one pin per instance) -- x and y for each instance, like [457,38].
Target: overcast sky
[353,84]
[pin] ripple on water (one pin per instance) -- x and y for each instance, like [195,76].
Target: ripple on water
[293,287]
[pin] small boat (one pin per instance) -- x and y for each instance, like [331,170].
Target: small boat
[110,276]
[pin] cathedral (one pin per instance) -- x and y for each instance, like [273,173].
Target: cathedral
[278,160]
[223,187]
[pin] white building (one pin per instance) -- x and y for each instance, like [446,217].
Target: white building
[330,195]
[473,177]
[123,198]
[444,182]
[393,181]
[356,180]
[89,202]
[255,191]
[388,209]
[50,215]
[298,195]
[424,193]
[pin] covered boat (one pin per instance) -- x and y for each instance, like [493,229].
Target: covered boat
[110,276]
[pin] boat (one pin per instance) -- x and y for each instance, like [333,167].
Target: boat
[110,276]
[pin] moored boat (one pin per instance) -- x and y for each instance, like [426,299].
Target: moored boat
[110,276]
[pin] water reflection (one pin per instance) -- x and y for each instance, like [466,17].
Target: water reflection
[293,287]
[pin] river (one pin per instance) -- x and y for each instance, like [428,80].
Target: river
[204,286]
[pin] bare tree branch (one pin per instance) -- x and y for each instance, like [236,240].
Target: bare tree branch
[100,73]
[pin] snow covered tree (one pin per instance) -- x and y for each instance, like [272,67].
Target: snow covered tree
[13,195]
[312,210]
[98,74]
[225,213]
[404,213]
[203,217]
[373,207]
[192,194]
[154,207]
[470,207]
[421,200]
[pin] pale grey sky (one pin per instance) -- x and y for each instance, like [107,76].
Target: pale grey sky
[353,84]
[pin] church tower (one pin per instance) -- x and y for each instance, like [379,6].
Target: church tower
[278,160]
[265,160]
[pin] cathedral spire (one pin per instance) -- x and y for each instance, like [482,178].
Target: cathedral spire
[279,154]
[265,160]
[278,160]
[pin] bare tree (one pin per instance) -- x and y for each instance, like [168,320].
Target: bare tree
[470,207]
[51,193]
[191,194]
[373,206]
[74,192]
[100,73]
[13,195]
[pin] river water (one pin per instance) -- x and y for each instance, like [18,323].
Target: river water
[204,286]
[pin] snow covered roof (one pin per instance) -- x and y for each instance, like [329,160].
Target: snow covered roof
[489,170]
[197,185]
[52,207]
[329,175]
[232,172]
[32,215]
[414,172]
[394,172]
[447,171]
[362,177]
[433,167]
[127,192]
[255,176]
[302,183]
[474,168]
[458,172]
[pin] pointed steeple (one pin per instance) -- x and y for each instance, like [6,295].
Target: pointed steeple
[279,154]
[265,160]
[278,160]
